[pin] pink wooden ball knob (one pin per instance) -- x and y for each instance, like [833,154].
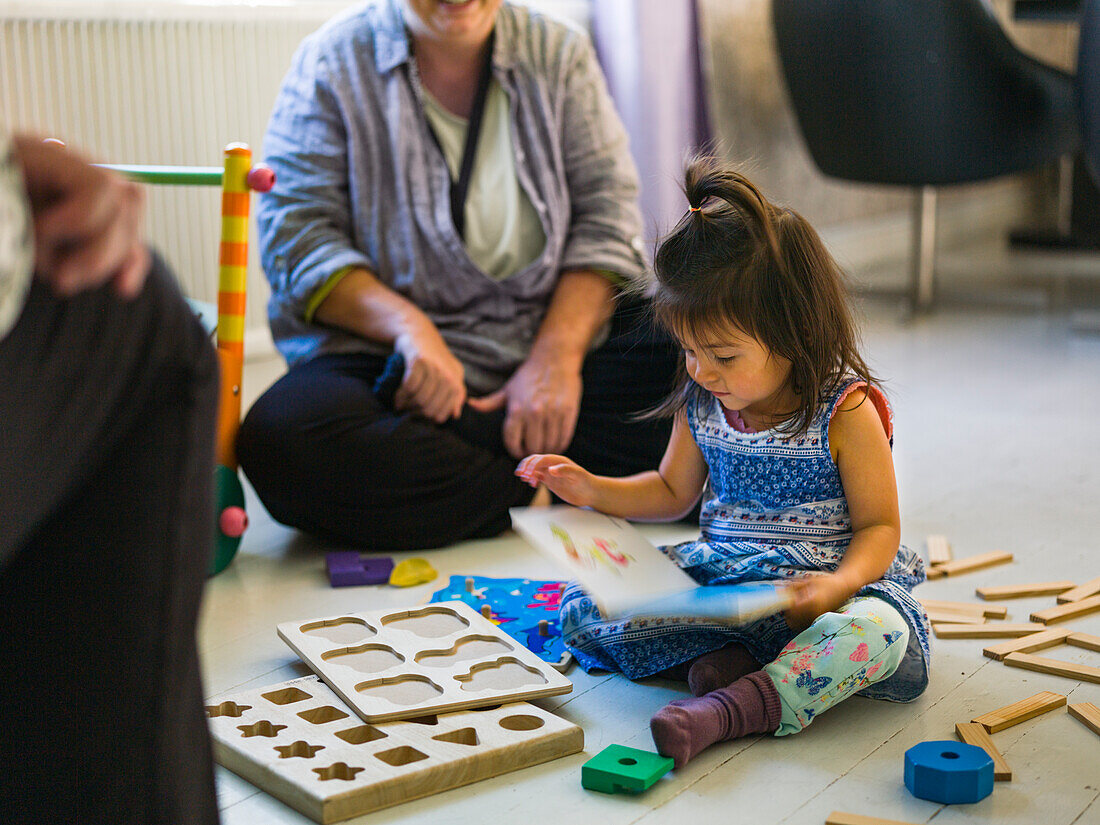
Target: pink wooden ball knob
[260,178]
[233,522]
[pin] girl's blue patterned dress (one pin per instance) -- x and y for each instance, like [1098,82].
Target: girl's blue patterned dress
[773,508]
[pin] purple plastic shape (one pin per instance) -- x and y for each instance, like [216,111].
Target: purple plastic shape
[348,568]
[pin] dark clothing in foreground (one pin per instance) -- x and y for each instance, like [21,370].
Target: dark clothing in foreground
[106,522]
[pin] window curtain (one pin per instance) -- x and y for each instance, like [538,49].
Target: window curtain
[649,51]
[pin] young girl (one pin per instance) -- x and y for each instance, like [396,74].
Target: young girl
[782,429]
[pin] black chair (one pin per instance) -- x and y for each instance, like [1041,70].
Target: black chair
[919,93]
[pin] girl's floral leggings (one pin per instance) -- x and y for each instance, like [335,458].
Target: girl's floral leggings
[842,652]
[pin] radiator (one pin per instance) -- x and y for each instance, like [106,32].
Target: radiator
[157,83]
[165,82]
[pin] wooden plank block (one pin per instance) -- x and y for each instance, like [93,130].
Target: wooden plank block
[933,573]
[1088,714]
[1070,610]
[954,568]
[298,742]
[440,658]
[1054,667]
[939,549]
[974,734]
[1017,712]
[1085,640]
[952,617]
[996,630]
[993,611]
[1023,591]
[957,607]
[1089,588]
[842,818]
[1028,644]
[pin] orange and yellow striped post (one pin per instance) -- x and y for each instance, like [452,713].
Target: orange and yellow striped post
[236,177]
[232,285]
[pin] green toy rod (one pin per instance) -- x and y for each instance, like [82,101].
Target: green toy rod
[179,175]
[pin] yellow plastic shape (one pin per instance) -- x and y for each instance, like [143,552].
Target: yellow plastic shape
[412,571]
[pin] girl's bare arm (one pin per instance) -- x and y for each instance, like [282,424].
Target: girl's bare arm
[867,473]
[658,495]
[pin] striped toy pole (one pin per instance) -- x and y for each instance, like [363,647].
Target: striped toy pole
[232,283]
[237,177]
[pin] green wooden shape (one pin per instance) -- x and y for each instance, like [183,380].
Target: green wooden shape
[619,769]
[179,175]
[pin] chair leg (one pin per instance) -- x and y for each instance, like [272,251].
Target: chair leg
[1065,194]
[924,248]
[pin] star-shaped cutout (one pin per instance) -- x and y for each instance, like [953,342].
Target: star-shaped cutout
[299,748]
[338,771]
[261,728]
[226,709]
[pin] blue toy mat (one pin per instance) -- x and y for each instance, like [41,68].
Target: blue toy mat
[517,605]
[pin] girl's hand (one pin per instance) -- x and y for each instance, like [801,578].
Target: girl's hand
[564,478]
[813,596]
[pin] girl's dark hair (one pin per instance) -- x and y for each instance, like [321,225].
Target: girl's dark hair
[737,258]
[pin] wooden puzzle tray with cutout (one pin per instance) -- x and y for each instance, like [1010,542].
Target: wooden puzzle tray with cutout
[297,741]
[396,664]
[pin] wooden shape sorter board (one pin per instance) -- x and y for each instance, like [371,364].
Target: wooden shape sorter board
[396,664]
[298,742]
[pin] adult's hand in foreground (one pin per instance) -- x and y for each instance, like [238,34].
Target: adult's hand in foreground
[87,221]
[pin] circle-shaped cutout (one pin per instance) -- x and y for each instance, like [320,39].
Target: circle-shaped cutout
[522,722]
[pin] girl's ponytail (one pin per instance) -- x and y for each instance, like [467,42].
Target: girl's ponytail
[706,179]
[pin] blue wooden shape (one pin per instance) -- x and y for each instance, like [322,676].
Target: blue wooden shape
[949,772]
[517,605]
[619,769]
[348,568]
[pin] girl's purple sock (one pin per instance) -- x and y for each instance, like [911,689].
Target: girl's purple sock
[720,668]
[682,729]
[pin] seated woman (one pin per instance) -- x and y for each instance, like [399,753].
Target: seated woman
[454,221]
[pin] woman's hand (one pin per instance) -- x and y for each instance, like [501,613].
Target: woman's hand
[543,399]
[563,477]
[434,380]
[813,596]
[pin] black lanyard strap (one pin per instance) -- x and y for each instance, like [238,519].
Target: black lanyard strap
[460,187]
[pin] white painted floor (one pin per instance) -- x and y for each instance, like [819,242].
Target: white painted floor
[997,447]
